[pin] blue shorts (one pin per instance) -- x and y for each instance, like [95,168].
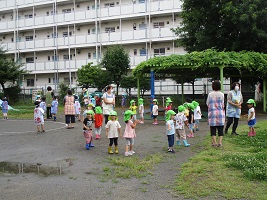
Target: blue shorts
[191,126]
[251,123]
[196,121]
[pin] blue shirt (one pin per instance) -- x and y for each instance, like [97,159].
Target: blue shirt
[172,130]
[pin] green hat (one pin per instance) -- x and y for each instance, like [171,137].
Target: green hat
[168,114]
[90,105]
[181,108]
[195,103]
[155,100]
[98,110]
[88,112]
[113,113]
[251,101]
[168,101]
[127,115]
[140,101]
[191,106]
[131,102]
[185,105]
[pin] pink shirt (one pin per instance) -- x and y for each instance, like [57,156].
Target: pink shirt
[129,131]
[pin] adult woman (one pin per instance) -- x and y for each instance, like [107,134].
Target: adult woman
[48,100]
[216,113]
[233,108]
[69,109]
[108,102]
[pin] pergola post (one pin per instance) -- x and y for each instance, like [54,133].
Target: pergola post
[221,78]
[138,87]
[152,87]
[264,95]
[182,84]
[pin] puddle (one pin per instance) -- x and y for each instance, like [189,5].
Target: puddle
[41,169]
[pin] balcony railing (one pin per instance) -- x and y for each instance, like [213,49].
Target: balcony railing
[89,15]
[90,40]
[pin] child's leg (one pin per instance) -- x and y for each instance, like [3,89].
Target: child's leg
[127,146]
[38,128]
[42,126]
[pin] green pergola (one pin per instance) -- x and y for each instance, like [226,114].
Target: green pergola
[208,63]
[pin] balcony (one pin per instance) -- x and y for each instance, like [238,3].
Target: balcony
[123,11]
[90,40]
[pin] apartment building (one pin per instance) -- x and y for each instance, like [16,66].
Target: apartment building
[54,38]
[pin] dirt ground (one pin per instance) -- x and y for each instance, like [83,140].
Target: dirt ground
[63,151]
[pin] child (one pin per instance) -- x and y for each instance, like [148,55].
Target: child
[42,104]
[191,120]
[86,101]
[97,100]
[155,111]
[54,108]
[170,129]
[87,129]
[77,106]
[92,99]
[197,114]
[129,133]
[251,117]
[113,130]
[89,107]
[180,122]
[98,122]
[123,102]
[168,104]
[133,108]
[39,116]
[5,107]
[141,110]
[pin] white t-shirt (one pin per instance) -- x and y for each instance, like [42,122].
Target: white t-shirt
[113,128]
[197,113]
[180,118]
[250,111]
[155,110]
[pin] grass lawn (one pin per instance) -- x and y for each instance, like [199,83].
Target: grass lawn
[236,171]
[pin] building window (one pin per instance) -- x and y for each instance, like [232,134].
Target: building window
[30,60]
[53,12]
[142,26]
[30,82]
[67,80]
[142,1]
[107,5]
[109,29]
[19,39]
[93,7]
[55,79]
[135,52]
[28,16]
[66,57]
[29,38]
[55,58]
[158,24]
[54,35]
[65,34]
[143,52]
[66,10]
[159,52]
[49,80]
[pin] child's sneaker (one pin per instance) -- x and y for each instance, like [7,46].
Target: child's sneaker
[132,152]
[189,135]
[126,154]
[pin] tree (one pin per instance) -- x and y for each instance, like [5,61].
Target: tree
[223,25]
[92,76]
[10,71]
[130,81]
[117,62]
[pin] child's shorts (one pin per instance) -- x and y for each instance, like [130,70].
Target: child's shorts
[191,126]
[134,117]
[129,141]
[155,116]
[196,121]
[251,123]
[98,130]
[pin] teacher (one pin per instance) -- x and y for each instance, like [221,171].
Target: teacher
[233,108]
[69,109]
[108,102]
